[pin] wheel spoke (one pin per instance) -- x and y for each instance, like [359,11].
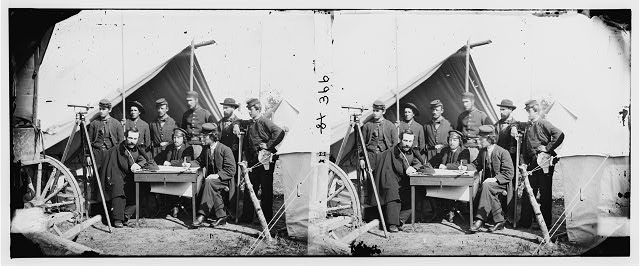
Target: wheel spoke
[39,180]
[51,205]
[337,208]
[52,178]
[335,193]
[58,189]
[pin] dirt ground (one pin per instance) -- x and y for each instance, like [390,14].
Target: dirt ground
[171,237]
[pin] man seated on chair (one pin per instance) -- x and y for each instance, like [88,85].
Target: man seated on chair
[391,176]
[219,165]
[178,153]
[117,174]
[497,171]
[453,157]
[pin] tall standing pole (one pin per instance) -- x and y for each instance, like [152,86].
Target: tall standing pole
[397,81]
[191,67]
[466,76]
[124,105]
[515,192]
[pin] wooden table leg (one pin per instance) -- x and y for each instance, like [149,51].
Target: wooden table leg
[193,201]
[470,206]
[137,204]
[413,206]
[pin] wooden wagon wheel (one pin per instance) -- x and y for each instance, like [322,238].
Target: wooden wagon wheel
[344,211]
[54,189]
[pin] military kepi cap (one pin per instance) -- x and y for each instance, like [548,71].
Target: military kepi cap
[179,131]
[378,104]
[413,107]
[455,134]
[193,95]
[486,130]
[104,103]
[161,102]
[136,104]
[468,95]
[530,103]
[207,128]
[507,103]
[436,103]
[251,102]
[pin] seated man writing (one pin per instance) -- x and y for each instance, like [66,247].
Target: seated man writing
[177,153]
[497,171]
[453,157]
[218,163]
[119,164]
[391,176]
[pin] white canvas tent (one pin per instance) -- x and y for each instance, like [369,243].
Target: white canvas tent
[579,64]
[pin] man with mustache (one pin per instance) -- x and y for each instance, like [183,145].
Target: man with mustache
[120,163]
[391,176]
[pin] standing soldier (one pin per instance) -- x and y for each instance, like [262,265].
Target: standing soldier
[161,129]
[261,140]
[195,116]
[379,134]
[105,131]
[471,119]
[410,112]
[228,125]
[436,132]
[506,140]
[541,139]
[134,121]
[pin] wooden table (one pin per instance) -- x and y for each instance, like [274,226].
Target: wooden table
[442,178]
[167,174]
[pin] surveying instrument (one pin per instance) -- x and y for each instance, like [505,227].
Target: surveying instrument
[365,173]
[88,159]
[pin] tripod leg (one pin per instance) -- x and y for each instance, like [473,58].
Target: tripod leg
[515,192]
[373,183]
[344,144]
[69,141]
[239,173]
[97,175]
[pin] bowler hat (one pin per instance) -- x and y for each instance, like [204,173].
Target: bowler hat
[507,103]
[413,107]
[137,104]
[230,102]
[104,103]
[378,104]
[486,130]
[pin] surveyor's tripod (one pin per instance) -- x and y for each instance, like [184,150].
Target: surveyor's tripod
[88,160]
[366,174]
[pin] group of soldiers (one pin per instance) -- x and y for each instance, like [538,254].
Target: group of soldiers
[123,147]
[472,143]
